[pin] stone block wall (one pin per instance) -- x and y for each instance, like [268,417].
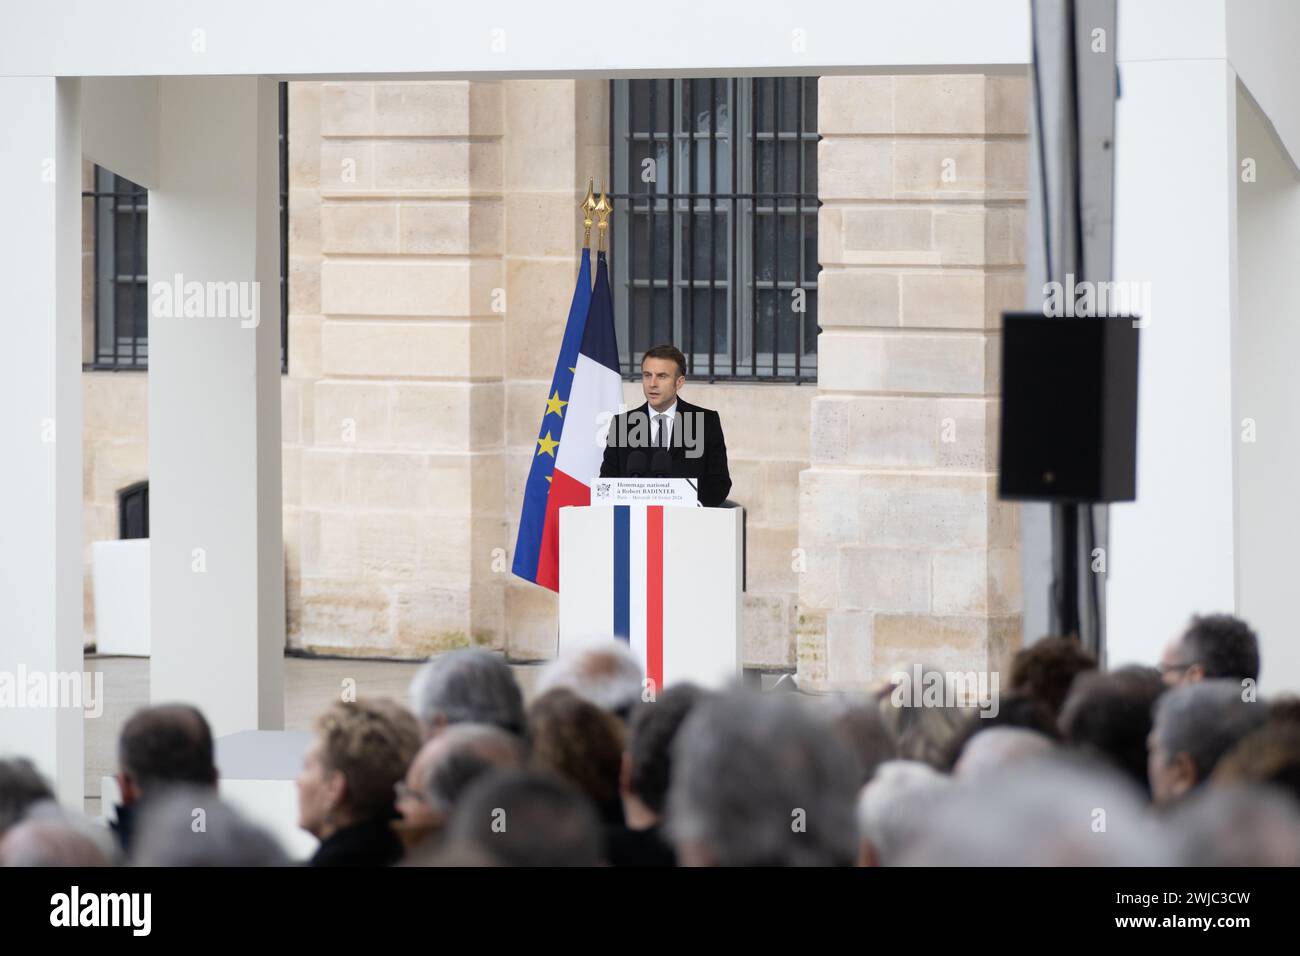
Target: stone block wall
[911,557]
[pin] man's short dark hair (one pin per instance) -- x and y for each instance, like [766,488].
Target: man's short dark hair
[666,352]
[651,732]
[171,743]
[1108,715]
[526,818]
[1223,645]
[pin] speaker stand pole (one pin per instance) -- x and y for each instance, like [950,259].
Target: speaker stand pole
[1065,569]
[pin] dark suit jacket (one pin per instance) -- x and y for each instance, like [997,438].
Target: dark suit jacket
[708,470]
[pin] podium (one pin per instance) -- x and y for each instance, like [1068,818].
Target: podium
[667,580]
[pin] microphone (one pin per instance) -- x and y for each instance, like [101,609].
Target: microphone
[661,465]
[636,464]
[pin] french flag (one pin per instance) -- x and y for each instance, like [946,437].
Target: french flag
[586,392]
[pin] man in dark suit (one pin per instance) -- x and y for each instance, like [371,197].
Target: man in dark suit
[669,436]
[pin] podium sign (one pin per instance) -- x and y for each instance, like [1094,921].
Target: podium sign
[664,580]
[644,491]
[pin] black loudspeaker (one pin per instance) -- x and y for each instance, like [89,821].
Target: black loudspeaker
[1069,409]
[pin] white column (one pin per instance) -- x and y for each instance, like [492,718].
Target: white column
[1266,390]
[1175,228]
[217,569]
[40,427]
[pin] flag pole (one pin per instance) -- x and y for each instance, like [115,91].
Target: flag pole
[603,209]
[587,206]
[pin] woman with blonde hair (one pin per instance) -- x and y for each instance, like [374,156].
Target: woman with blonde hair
[346,787]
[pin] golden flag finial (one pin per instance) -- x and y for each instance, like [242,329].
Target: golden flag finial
[587,206]
[603,209]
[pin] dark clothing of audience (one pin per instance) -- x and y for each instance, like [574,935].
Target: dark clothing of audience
[124,826]
[369,843]
[627,847]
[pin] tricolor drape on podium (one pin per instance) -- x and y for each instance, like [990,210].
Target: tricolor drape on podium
[586,389]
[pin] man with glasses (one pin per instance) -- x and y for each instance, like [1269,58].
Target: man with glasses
[1214,646]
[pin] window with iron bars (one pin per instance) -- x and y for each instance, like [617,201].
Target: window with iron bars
[714,237]
[121,300]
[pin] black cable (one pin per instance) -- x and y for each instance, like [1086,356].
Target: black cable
[1076,160]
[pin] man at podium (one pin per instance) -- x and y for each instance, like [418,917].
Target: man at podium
[668,437]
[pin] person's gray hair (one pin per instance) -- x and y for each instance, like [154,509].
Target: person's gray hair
[896,806]
[48,835]
[1057,810]
[607,676]
[1205,720]
[173,832]
[760,781]
[992,750]
[1237,826]
[465,753]
[469,686]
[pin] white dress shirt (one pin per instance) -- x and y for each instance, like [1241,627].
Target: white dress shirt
[666,439]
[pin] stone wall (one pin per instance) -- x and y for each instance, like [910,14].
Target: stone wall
[911,557]
[401,400]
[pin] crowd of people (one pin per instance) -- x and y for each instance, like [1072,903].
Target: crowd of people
[1179,764]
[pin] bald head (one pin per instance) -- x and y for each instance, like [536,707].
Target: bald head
[607,676]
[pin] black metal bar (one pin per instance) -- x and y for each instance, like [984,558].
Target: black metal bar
[632,325]
[95,201]
[778,83]
[713,219]
[284,227]
[799,185]
[672,210]
[690,225]
[733,215]
[756,118]
[609,181]
[653,200]
[723,195]
[135,286]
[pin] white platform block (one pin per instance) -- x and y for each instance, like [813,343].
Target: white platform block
[121,575]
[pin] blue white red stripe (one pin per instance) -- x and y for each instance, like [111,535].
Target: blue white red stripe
[638,585]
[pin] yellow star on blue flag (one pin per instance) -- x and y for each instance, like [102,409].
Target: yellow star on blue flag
[548,445]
